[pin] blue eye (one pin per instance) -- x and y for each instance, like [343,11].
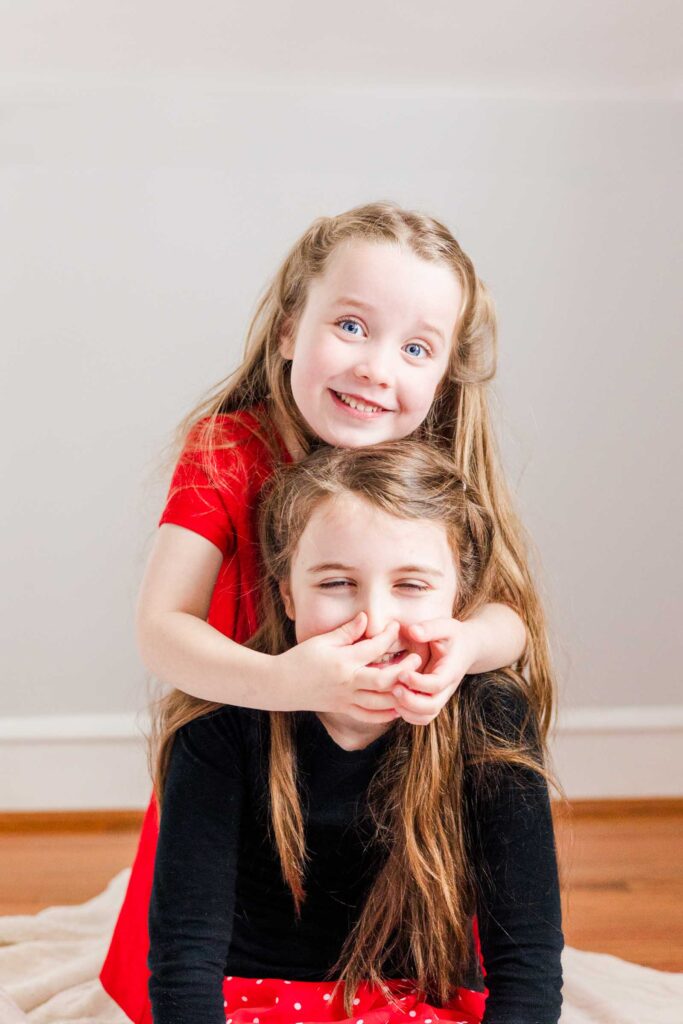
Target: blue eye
[414,345]
[348,320]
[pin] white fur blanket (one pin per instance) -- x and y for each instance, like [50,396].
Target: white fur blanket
[50,962]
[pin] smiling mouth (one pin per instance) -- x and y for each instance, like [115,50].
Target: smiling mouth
[357,403]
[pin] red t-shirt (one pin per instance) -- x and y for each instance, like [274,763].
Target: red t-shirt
[227,517]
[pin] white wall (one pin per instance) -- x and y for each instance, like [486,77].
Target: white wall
[140,218]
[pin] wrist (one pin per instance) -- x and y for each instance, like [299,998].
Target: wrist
[498,636]
[269,678]
[283,681]
[475,638]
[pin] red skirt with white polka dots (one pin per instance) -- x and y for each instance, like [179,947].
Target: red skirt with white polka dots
[276,1001]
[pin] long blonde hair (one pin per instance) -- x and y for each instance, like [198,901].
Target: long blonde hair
[419,908]
[458,422]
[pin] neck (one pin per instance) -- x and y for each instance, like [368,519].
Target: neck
[349,733]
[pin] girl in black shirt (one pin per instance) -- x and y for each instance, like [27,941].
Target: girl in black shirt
[314,868]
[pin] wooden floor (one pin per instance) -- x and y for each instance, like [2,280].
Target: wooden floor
[621,868]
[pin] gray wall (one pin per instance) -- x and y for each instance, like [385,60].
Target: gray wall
[139,223]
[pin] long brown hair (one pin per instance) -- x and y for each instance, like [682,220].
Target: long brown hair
[417,914]
[458,422]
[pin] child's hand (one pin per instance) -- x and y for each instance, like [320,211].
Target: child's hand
[329,672]
[453,649]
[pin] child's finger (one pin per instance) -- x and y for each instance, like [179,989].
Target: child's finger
[365,651]
[431,630]
[416,703]
[371,700]
[429,709]
[417,719]
[429,684]
[350,631]
[383,679]
[362,714]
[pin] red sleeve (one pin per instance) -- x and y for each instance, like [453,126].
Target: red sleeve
[195,502]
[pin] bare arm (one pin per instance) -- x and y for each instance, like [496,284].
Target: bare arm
[501,636]
[176,643]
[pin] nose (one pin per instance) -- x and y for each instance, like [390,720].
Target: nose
[375,367]
[379,616]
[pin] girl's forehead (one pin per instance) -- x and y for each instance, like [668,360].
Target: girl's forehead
[356,258]
[348,525]
[390,277]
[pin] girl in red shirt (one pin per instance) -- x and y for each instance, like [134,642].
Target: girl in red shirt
[375,327]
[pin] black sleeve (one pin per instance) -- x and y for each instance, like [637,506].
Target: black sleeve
[192,902]
[518,905]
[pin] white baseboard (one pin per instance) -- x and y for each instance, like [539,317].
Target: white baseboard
[93,762]
[608,753]
[73,762]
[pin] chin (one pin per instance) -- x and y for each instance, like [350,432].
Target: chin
[354,438]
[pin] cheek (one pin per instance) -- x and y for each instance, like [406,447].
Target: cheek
[318,361]
[431,385]
[300,372]
[316,616]
[419,391]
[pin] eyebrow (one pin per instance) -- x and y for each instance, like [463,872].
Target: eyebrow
[422,324]
[425,570]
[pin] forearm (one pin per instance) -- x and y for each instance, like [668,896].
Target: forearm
[502,637]
[186,652]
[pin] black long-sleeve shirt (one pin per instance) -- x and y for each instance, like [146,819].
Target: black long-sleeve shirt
[220,906]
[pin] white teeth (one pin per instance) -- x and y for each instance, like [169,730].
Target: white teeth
[387,657]
[356,404]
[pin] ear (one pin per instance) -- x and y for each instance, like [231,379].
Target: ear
[286,594]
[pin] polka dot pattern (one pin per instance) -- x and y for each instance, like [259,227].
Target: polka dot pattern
[266,1001]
